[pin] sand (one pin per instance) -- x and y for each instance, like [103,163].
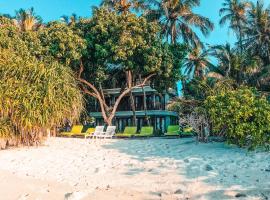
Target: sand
[136,169]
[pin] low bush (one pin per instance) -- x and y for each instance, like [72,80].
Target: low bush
[242,115]
[35,96]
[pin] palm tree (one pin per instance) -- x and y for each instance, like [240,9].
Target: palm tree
[178,20]
[197,63]
[233,65]
[225,55]
[124,6]
[70,20]
[234,12]
[27,20]
[258,32]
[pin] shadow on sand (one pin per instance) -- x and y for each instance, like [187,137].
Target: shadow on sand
[231,172]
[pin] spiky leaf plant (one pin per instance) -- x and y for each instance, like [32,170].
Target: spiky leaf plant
[35,95]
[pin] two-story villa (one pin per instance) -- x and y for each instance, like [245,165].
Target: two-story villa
[156,113]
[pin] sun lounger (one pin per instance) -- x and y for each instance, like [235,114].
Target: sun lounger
[89,132]
[128,132]
[109,133]
[146,131]
[188,131]
[173,130]
[76,129]
[98,131]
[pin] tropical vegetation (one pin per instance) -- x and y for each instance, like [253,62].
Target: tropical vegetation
[48,70]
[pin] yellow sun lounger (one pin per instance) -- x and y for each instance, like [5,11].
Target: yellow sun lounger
[76,129]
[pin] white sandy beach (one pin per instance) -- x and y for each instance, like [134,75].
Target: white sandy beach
[158,168]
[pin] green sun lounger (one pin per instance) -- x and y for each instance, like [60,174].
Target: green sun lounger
[129,131]
[77,129]
[146,131]
[173,130]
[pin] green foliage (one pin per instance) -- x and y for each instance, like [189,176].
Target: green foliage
[184,106]
[243,116]
[36,91]
[123,40]
[61,42]
[118,43]
[6,128]
[168,77]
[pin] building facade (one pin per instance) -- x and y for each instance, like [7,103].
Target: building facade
[154,114]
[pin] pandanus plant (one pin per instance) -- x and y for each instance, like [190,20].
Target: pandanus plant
[35,96]
[27,20]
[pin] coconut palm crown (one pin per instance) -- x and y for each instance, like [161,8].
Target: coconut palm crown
[178,20]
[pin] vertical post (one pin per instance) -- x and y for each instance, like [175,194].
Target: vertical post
[154,101]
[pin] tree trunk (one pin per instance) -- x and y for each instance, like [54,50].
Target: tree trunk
[131,97]
[109,122]
[240,38]
[108,113]
[144,103]
[133,108]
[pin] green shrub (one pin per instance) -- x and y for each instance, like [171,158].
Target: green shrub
[242,115]
[35,96]
[6,130]
[37,91]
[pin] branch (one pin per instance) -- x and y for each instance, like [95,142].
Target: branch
[145,80]
[88,92]
[81,69]
[96,93]
[125,92]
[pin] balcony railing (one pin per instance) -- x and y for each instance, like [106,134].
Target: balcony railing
[127,107]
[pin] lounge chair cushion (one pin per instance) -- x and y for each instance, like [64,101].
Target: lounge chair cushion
[146,131]
[77,129]
[128,132]
[173,130]
[90,131]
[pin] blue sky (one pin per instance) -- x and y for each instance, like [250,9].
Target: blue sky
[53,9]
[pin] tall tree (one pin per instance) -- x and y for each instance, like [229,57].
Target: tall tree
[197,62]
[258,31]
[242,68]
[126,43]
[70,20]
[178,20]
[225,55]
[27,19]
[234,12]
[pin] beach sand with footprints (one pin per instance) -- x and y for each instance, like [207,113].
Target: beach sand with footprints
[135,169]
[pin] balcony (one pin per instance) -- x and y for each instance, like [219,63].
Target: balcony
[153,102]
